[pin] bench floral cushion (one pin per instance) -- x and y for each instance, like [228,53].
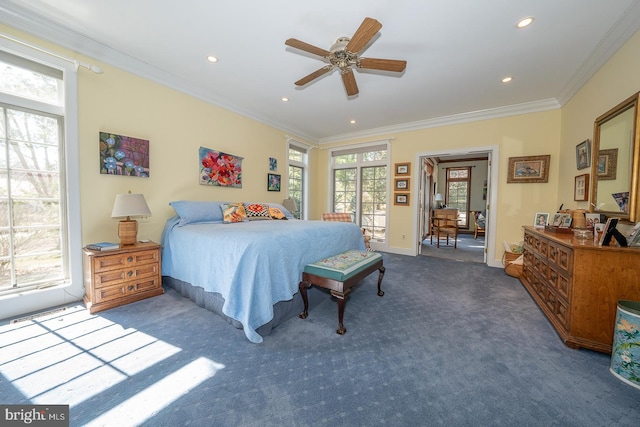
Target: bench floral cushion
[343,266]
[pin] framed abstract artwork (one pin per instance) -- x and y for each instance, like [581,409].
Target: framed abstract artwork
[273,182]
[123,155]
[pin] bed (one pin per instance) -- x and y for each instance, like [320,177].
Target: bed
[248,271]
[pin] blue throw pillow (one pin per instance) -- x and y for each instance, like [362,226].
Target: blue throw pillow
[196,211]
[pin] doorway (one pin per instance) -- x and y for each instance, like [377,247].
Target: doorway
[483,194]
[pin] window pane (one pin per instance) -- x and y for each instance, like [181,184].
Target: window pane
[344,185]
[39,269]
[374,155]
[373,201]
[35,212]
[36,240]
[345,159]
[295,155]
[28,84]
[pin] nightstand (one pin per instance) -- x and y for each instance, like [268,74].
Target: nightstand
[121,276]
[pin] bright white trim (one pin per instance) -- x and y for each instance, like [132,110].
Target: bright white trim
[494,154]
[34,300]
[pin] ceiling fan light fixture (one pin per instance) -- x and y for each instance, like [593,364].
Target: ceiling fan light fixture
[340,44]
[525,22]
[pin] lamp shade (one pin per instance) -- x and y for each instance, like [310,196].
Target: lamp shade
[127,205]
[290,205]
[439,198]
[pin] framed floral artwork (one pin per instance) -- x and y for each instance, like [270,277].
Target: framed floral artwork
[123,155]
[220,169]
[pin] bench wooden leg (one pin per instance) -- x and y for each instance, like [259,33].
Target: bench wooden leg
[341,329]
[303,292]
[380,276]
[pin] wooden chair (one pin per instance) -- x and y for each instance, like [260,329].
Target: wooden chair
[346,217]
[479,229]
[445,224]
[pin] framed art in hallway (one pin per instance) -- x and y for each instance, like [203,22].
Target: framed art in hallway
[401,199]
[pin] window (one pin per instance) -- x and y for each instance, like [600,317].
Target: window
[458,184]
[297,172]
[360,181]
[33,232]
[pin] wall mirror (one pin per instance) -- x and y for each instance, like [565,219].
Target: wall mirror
[616,161]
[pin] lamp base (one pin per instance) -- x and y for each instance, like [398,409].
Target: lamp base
[128,231]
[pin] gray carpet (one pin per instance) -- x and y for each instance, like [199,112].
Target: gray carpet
[450,343]
[468,249]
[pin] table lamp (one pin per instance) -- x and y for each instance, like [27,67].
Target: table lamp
[128,205]
[290,205]
[439,199]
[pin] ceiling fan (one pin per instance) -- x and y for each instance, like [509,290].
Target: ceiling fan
[343,55]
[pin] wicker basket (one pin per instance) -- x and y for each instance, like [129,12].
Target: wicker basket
[511,268]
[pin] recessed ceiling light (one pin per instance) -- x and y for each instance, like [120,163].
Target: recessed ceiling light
[525,22]
[506,79]
[284,99]
[212,58]
[353,122]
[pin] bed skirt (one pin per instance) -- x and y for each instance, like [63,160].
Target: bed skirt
[213,301]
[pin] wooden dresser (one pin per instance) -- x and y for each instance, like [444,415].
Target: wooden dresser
[117,277]
[578,285]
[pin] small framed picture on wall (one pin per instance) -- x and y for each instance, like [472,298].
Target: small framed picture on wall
[401,199]
[402,168]
[401,184]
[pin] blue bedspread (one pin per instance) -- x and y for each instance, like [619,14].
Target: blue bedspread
[254,264]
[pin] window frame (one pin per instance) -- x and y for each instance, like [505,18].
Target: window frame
[304,149]
[73,290]
[359,165]
[463,218]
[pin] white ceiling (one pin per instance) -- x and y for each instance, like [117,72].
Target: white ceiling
[456,51]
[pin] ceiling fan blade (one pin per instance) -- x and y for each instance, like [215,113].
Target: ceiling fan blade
[303,81]
[307,47]
[363,35]
[349,81]
[383,64]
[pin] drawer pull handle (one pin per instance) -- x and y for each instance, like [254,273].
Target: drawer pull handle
[131,287]
[129,273]
[130,259]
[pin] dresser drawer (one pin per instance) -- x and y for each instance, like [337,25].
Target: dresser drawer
[561,256]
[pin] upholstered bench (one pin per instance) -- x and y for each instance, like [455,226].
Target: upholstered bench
[339,273]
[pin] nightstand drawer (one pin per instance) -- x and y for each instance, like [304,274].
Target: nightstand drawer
[108,278]
[124,260]
[125,289]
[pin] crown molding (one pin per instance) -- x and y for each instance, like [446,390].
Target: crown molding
[619,34]
[473,116]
